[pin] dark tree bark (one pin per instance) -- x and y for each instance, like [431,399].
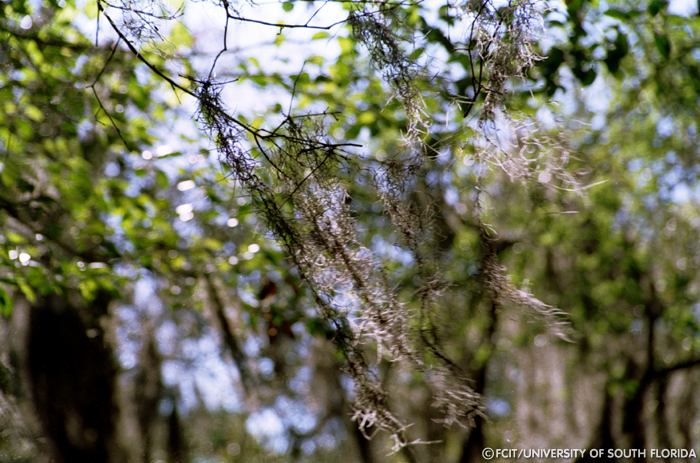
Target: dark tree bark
[662,425]
[475,442]
[71,372]
[177,443]
[148,392]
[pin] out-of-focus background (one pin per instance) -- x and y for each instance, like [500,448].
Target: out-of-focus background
[149,313]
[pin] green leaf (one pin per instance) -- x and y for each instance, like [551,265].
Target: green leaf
[34,113]
[346,45]
[180,35]
[320,35]
[417,53]
[287,6]
[5,304]
[663,44]
[619,50]
[26,289]
[655,6]
[14,238]
[366,118]
[618,14]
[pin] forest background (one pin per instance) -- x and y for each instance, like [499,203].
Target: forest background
[347,231]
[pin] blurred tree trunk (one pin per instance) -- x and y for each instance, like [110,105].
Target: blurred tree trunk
[475,442]
[663,433]
[148,391]
[71,373]
[177,443]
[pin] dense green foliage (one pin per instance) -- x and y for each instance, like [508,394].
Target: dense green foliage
[390,219]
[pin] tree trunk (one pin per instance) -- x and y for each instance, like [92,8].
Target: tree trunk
[72,371]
